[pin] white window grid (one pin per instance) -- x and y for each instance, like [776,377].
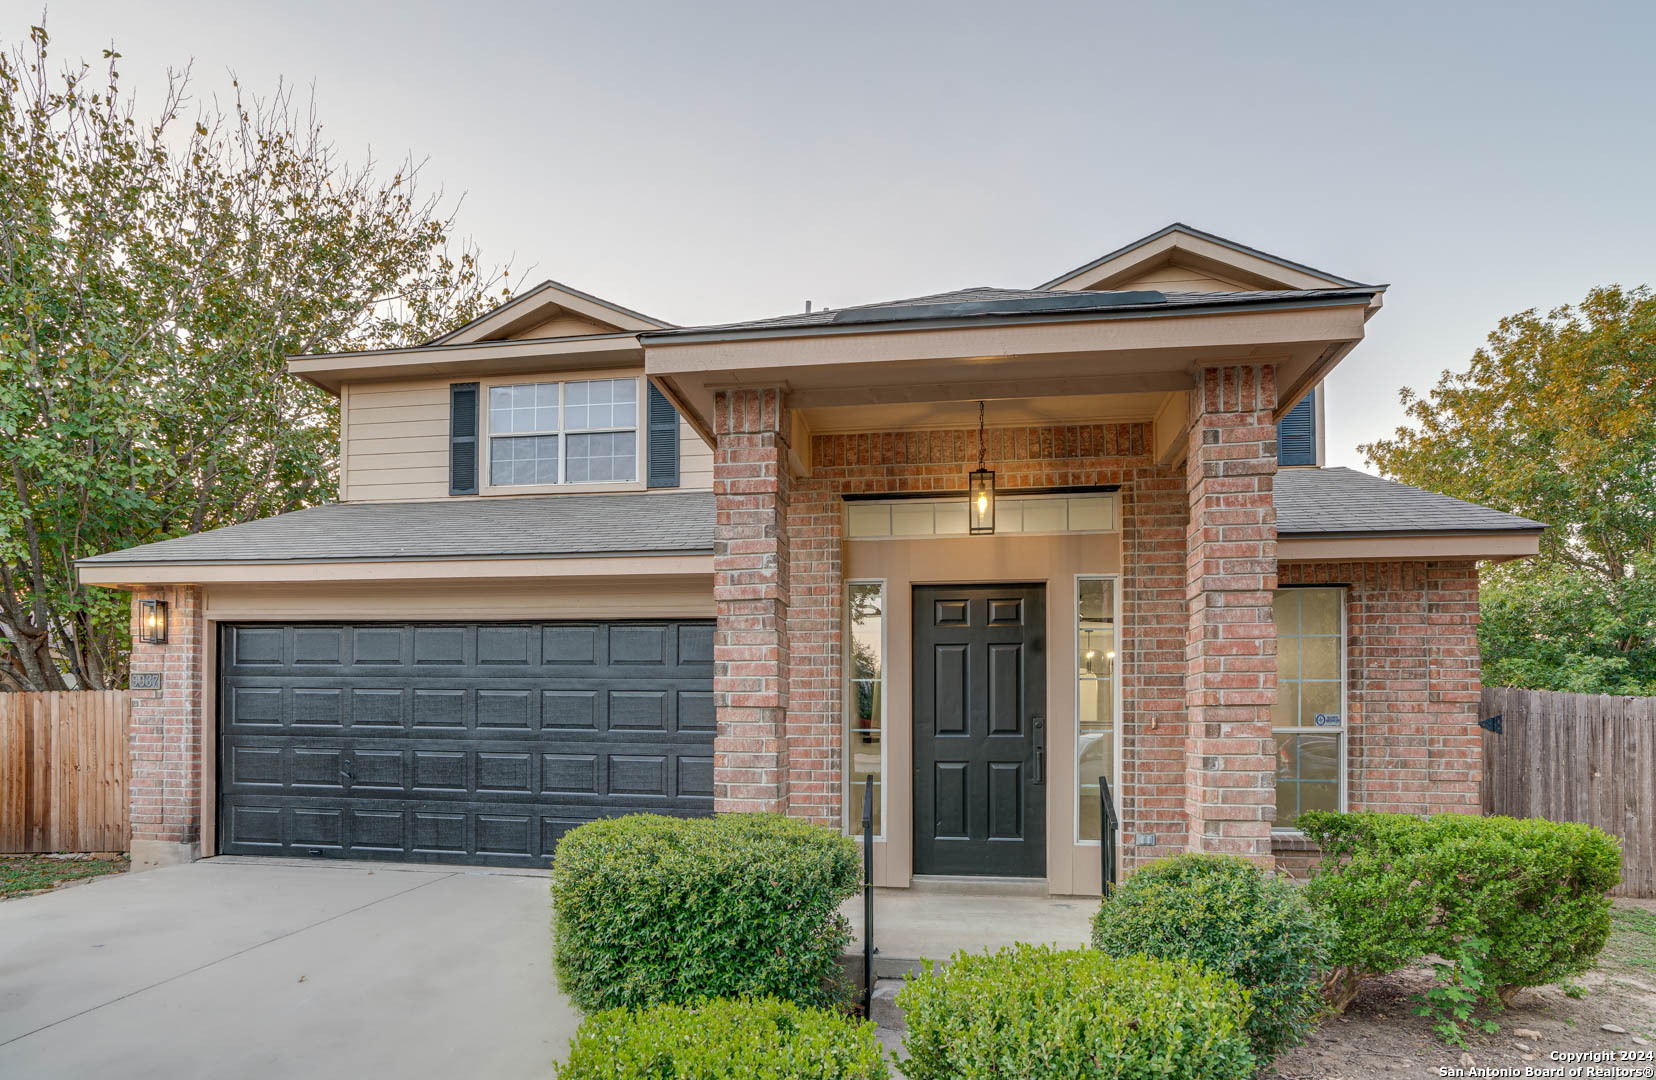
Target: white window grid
[562,411]
[1342,730]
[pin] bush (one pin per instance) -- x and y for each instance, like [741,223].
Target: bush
[651,909]
[1040,1013]
[762,1039]
[1231,916]
[1398,888]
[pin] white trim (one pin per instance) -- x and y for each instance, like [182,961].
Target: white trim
[1118,741]
[846,780]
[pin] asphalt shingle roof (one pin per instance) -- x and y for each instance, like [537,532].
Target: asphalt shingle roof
[1321,502]
[1309,502]
[985,301]
[555,526]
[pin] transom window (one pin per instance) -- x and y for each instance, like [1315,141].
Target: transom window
[1309,718]
[579,432]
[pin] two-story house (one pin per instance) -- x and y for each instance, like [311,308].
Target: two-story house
[992,552]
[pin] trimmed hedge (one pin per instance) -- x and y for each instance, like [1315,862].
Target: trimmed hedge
[1235,919]
[1041,1013]
[1398,888]
[762,1039]
[650,909]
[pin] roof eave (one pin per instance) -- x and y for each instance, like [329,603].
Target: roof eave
[1346,298]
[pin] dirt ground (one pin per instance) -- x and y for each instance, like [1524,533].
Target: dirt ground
[1380,1036]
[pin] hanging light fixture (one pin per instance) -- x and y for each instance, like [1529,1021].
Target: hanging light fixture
[980,490]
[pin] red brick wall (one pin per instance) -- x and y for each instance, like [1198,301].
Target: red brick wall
[166,727]
[751,590]
[1152,655]
[1230,772]
[1412,673]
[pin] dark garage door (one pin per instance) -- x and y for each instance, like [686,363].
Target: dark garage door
[460,743]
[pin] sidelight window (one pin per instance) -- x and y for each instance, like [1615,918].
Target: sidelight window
[864,742]
[1309,721]
[1096,645]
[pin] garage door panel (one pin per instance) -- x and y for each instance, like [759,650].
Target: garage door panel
[469,743]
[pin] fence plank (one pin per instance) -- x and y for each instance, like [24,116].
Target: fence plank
[1577,757]
[64,772]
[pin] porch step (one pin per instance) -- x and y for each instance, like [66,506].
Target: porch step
[976,886]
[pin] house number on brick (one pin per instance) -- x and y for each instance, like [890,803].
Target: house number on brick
[146,680]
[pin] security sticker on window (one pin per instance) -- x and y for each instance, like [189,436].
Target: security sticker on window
[1328,719]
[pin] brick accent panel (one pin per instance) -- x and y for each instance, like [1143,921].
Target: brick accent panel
[1230,574]
[751,589]
[165,737]
[1154,626]
[1413,682]
[1152,664]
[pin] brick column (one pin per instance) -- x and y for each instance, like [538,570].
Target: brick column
[750,586]
[1230,575]
[165,737]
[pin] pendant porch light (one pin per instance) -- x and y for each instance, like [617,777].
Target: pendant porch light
[980,488]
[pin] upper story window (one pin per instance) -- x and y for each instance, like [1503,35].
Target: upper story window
[576,432]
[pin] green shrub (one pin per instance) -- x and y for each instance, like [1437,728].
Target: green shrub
[1237,920]
[762,1039]
[1398,888]
[1040,1013]
[651,909]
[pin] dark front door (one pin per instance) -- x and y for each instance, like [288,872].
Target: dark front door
[979,732]
[473,743]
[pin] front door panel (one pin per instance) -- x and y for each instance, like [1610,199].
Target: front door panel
[979,730]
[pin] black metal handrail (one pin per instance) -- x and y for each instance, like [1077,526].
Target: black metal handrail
[1107,818]
[868,891]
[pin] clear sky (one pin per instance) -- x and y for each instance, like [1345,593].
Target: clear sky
[712,161]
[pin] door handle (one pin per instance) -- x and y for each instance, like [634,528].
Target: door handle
[347,771]
[1039,776]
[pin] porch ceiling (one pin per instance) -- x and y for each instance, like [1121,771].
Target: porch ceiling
[906,366]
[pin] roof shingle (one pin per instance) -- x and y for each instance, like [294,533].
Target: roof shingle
[1339,501]
[1309,502]
[551,526]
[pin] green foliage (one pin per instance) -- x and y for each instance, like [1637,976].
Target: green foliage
[1235,919]
[1553,421]
[1398,888]
[1041,1013]
[739,1039]
[1553,626]
[650,909]
[155,274]
[1460,986]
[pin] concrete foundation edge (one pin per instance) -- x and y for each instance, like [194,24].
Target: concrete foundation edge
[154,854]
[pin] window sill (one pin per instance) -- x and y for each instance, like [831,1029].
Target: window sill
[566,489]
[1292,840]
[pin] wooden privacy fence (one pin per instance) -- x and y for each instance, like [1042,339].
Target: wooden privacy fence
[1577,757]
[64,772]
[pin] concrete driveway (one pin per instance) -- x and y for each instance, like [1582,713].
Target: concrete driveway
[258,968]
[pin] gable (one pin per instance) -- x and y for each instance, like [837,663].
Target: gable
[551,309]
[560,324]
[1180,258]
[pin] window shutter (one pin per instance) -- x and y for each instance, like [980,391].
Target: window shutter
[663,441]
[1297,433]
[463,457]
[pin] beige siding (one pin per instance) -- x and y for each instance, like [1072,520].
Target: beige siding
[397,440]
[1171,277]
[576,598]
[695,459]
[395,437]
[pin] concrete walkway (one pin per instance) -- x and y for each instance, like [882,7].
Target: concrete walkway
[257,968]
[934,922]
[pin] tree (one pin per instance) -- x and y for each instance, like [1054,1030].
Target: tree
[1555,420]
[153,277]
